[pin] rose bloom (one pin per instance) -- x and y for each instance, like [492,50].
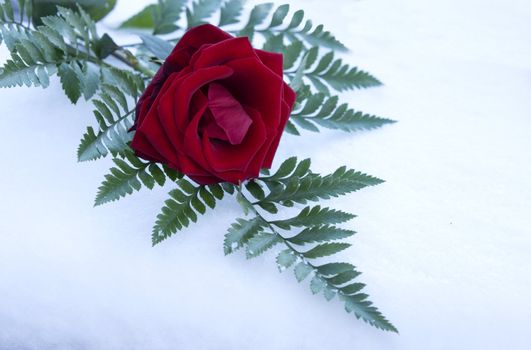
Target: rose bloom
[215,110]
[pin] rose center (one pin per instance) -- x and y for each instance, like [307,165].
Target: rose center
[227,119]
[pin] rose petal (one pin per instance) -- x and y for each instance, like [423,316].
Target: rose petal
[154,132]
[192,145]
[256,86]
[287,105]
[208,124]
[272,60]
[190,85]
[224,157]
[191,41]
[228,113]
[223,52]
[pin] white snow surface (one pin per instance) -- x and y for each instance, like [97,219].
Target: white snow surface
[444,244]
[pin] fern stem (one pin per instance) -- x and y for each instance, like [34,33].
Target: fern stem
[126,57]
[271,226]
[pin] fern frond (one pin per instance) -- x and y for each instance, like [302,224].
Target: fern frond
[290,30]
[295,188]
[128,176]
[319,110]
[329,72]
[230,12]
[240,233]
[315,216]
[200,11]
[183,207]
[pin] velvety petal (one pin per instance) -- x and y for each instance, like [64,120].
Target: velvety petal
[223,52]
[192,145]
[287,106]
[191,41]
[166,110]
[190,85]
[224,157]
[144,149]
[205,180]
[189,167]
[256,86]
[154,132]
[208,124]
[228,113]
[272,60]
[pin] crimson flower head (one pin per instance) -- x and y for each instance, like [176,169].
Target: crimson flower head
[215,110]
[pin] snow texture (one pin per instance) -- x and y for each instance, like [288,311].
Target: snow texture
[444,244]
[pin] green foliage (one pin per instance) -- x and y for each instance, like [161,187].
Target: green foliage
[285,259]
[143,19]
[97,9]
[18,72]
[319,110]
[318,235]
[315,216]
[128,176]
[240,233]
[296,184]
[327,71]
[161,17]
[70,80]
[7,13]
[280,29]
[200,11]
[183,207]
[160,48]
[231,12]
[260,243]
[37,54]
[113,114]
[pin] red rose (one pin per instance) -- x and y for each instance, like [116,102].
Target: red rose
[215,110]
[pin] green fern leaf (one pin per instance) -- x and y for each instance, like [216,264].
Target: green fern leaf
[166,14]
[160,17]
[16,73]
[240,232]
[124,179]
[319,110]
[200,11]
[286,259]
[330,72]
[231,12]
[302,270]
[315,216]
[313,186]
[258,15]
[362,308]
[70,81]
[320,234]
[182,208]
[114,119]
[325,249]
[260,243]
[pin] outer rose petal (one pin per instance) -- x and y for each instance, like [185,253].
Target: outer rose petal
[287,106]
[154,132]
[256,86]
[192,40]
[272,60]
[223,52]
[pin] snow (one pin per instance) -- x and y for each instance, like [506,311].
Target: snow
[444,244]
